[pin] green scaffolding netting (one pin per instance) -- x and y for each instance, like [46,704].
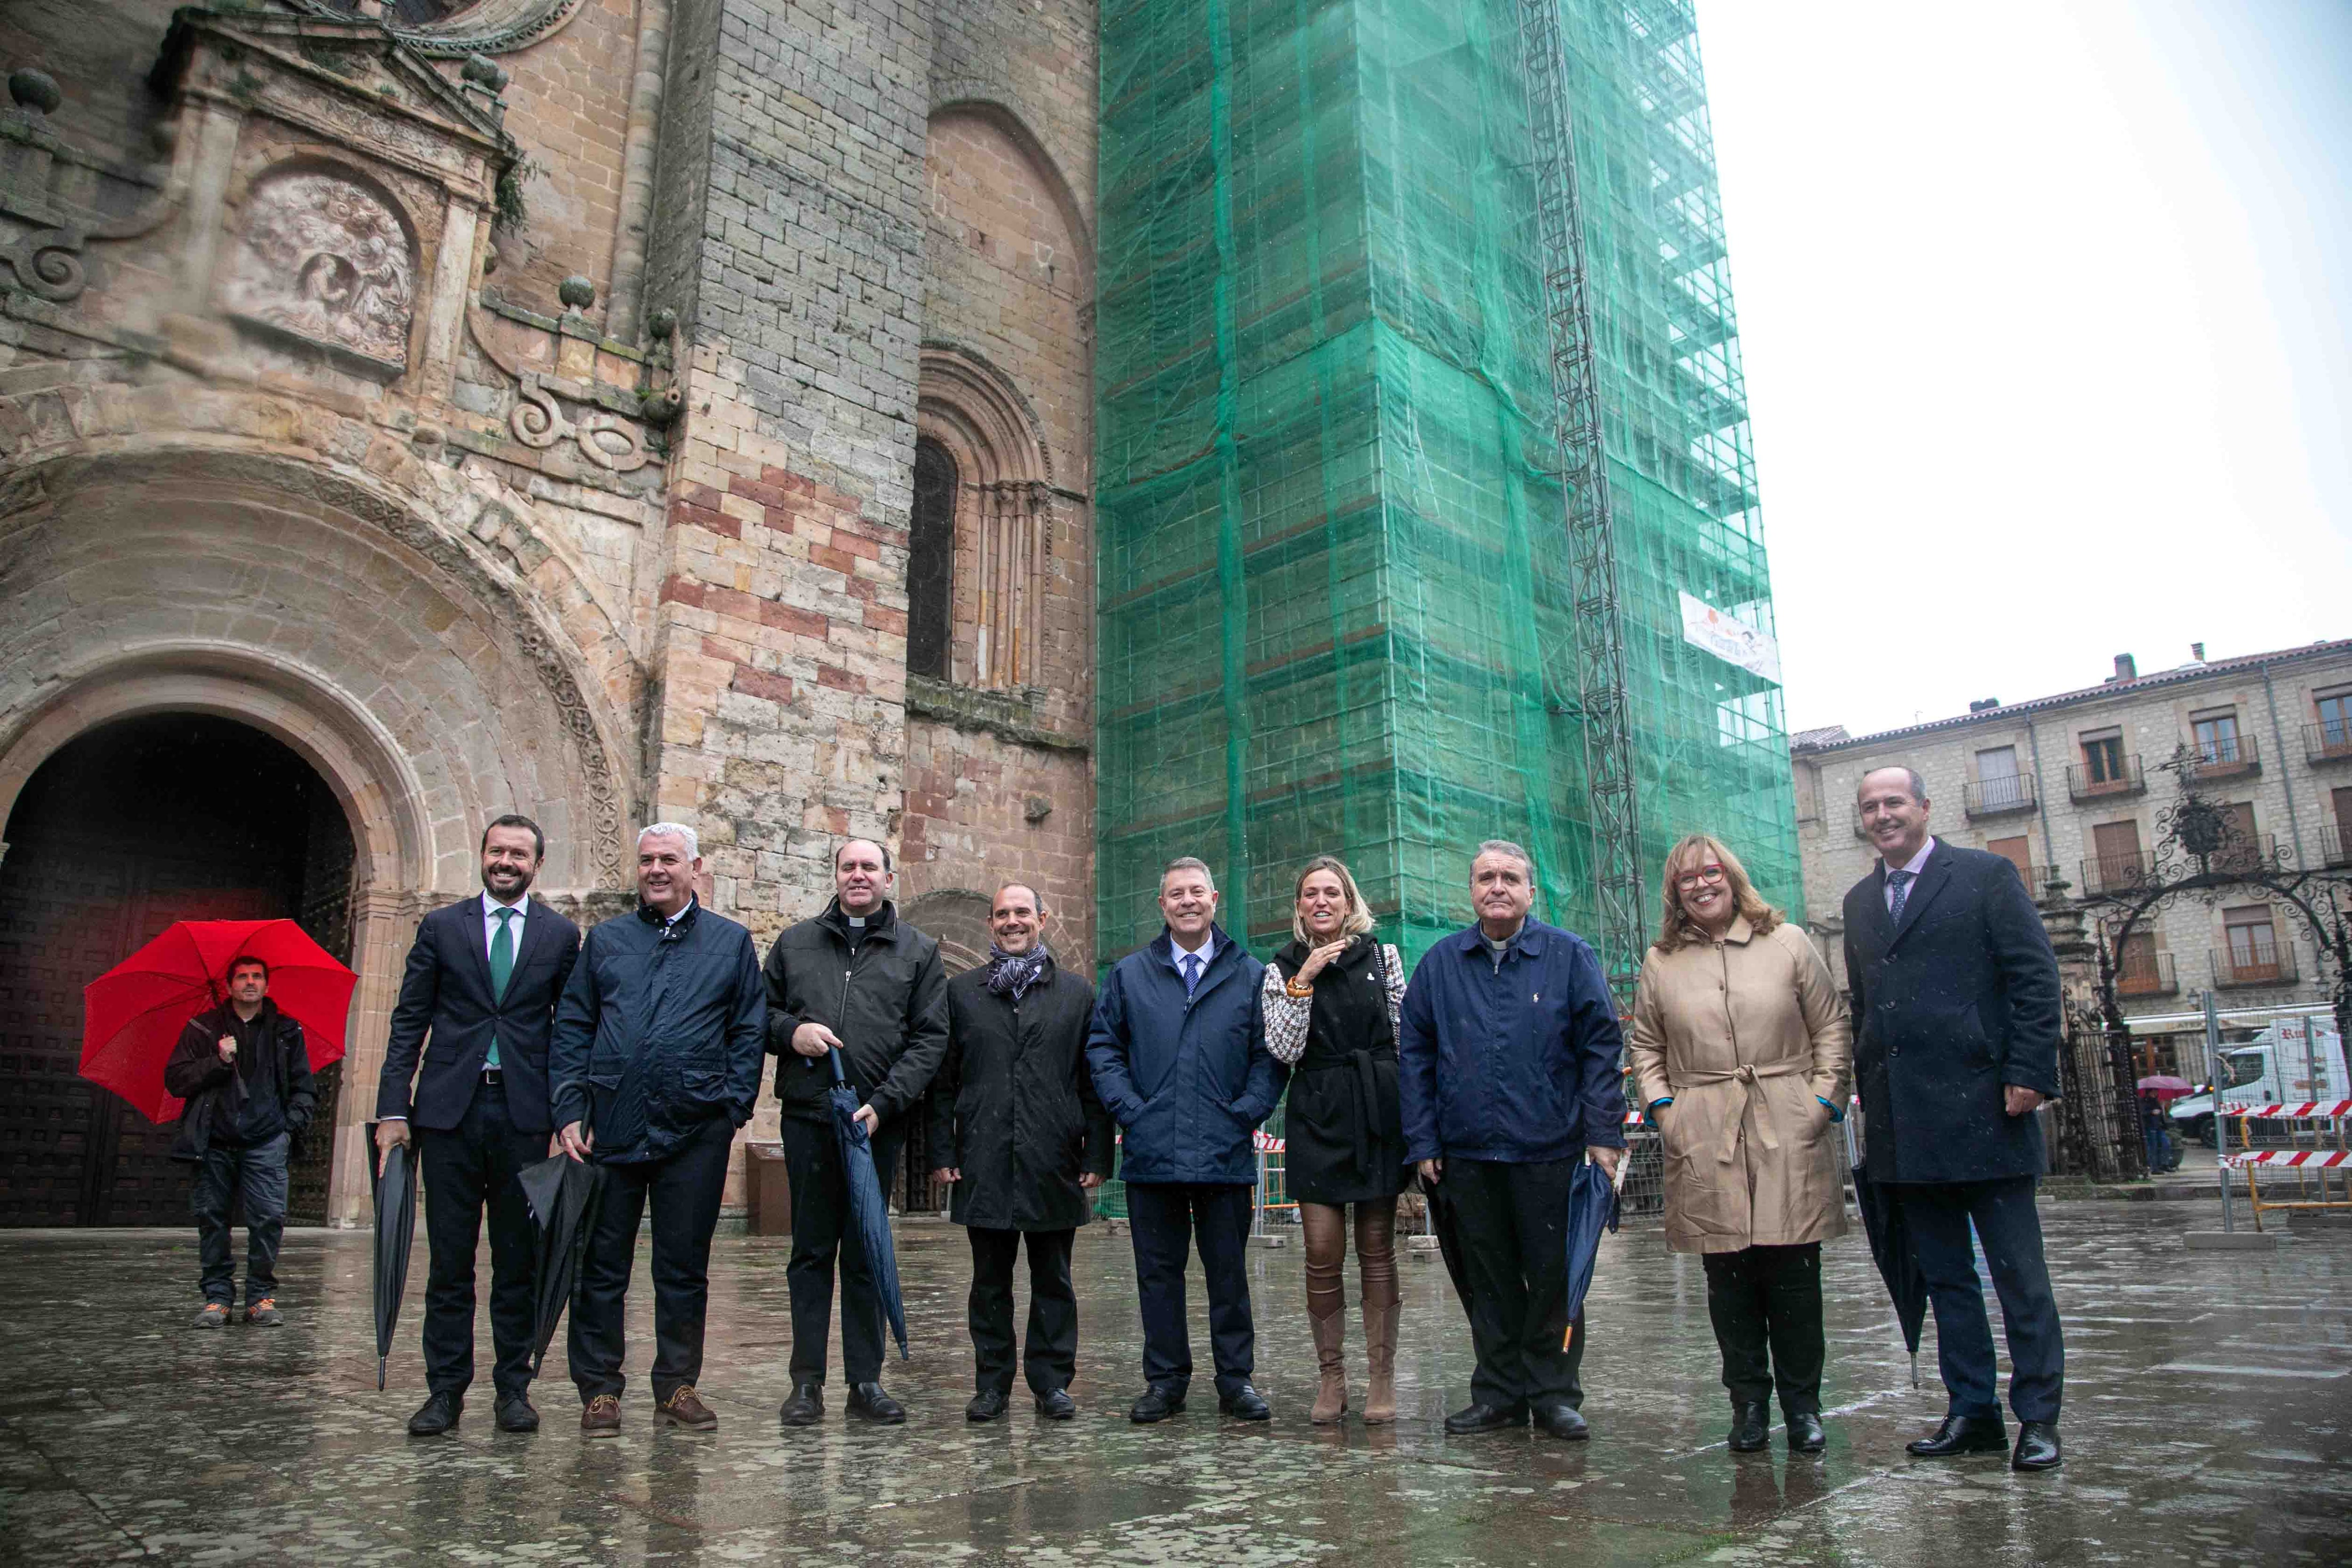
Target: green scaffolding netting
[1334,601]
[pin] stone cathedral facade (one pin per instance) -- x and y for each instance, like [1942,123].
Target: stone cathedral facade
[610,410]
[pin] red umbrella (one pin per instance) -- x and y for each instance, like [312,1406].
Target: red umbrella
[133,1013]
[2164,1086]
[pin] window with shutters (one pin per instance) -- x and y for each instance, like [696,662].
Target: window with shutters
[2018,852]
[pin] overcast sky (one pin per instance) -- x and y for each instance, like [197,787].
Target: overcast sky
[2045,307]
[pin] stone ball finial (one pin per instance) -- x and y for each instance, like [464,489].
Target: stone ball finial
[661,324]
[33,90]
[576,292]
[479,70]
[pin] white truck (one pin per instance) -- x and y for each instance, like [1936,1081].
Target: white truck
[2292,1062]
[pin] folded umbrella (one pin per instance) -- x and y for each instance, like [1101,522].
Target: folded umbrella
[133,1013]
[395,1233]
[1890,1249]
[564,1194]
[869,1206]
[1591,1209]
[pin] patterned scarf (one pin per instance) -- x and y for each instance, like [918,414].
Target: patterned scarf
[1009,974]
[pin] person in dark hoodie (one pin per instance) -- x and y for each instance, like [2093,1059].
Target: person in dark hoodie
[245,1072]
[1179,1053]
[654,1064]
[858,980]
[1015,1126]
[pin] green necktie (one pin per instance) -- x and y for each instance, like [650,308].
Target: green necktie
[501,969]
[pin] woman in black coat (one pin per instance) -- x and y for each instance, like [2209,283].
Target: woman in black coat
[1014,1110]
[1331,998]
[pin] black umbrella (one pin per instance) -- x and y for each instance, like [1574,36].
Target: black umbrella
[1890,1249]
[869,1208]
[564,1194]
[1591,1209]
[1448,1231]
[396,1231]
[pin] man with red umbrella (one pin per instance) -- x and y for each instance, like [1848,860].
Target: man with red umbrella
[245,1074]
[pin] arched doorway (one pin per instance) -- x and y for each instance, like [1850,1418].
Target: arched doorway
[126,828]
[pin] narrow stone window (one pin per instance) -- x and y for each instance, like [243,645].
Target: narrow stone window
[930,562]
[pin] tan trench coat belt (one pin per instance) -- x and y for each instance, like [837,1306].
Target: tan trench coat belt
[1747,1074]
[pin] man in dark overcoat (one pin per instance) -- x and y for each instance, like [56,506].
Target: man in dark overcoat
[1956,1017]
[1178,1049]
[483,978]
[1020,1133]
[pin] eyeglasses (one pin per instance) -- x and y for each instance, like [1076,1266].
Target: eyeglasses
[1706,873]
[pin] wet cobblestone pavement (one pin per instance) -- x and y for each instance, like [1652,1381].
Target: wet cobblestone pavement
[2208,1420]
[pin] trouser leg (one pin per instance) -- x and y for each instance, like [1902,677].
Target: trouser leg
[1792,1310]
[1049,1353]
[813,1165]
[514,1251]
[261,1188]
[862,1315]
[455,1170]
[1221,1222]
[1937,1219]
[1736,1306]
[1550,1355]
[1159,1223]
[2010,1230]
[989,1308]
[684,1194]
[596,1343]
[1489,1234]
[209,1203]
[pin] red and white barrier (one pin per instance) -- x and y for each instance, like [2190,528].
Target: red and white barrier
[1265,1144]
[2309,1110]
[2304,1159]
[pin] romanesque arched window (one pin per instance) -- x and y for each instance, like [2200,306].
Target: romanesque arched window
[930,562]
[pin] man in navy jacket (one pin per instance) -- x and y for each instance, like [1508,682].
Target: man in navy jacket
[1957,1014]
[1508,1076]
[1178,1052]
[482,980]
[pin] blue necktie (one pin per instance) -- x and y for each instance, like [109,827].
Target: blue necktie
[1898,884]
[1191,972]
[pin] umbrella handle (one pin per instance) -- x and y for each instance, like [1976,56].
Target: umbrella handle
[833,1060]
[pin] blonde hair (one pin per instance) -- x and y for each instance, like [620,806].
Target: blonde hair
[1677,927]
[1355,922]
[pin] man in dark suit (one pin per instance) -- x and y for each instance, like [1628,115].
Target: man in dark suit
[1957,1018]
[483,979]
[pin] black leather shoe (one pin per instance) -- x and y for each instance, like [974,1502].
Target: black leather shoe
[1156,1404]
[986,1405]
[1486,1418]
[1562,1421]
[1805,1434]
[1245,1403]
[1751,1426]
[437,1415]
[867,1402]
[805,1407]
[515,1415]
[1963,1435]
[1057,1406]
[2037,1447]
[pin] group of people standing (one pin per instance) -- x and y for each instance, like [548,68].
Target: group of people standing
[1488,1074]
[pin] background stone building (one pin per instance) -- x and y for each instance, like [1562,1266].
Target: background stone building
[2070,786]
[606,409]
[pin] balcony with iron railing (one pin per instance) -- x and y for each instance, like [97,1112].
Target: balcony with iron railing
[2334,849]
[2230,758]
[1998,796]
[2262,963]
[2130,779]
[2117,873]
[2327,742]
[2145,973]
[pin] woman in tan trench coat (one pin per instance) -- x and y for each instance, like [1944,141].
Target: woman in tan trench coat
[1743,1054]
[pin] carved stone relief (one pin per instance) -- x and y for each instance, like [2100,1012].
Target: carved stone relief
[323,259]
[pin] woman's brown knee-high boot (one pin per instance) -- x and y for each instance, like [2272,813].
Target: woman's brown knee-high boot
[1376,1261]
[1327,1306]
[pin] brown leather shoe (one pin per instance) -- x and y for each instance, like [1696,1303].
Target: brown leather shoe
[685,1407]
[601,1418]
